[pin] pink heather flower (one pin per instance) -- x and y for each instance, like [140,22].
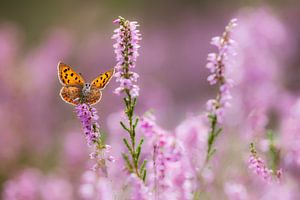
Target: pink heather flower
[88,118]
[286,191]
[32,185]
[259,67]
[290,137]
[218,64]
[258,166]
[95,187]
[193,135]
[127,39]
[56,188]
[166,175]
[235,191]
[25,186]
[138,190]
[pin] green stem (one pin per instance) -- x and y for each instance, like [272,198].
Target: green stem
[133,163]
[212,137]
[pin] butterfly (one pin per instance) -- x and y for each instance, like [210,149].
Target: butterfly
[76,91]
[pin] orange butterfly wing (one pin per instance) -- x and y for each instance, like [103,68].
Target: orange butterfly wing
[94,96]
[71,94]
[68,76]
[103,79]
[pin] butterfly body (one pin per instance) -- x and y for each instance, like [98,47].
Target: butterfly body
[76,91]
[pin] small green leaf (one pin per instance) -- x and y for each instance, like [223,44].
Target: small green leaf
[136,122]
[124,127]
[218,132]
[129,166]
[143,166]
[127,145]
[138,152]
[144,175]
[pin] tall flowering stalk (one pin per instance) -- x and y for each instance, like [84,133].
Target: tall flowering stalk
[218,64]
[126,48]
[100,151]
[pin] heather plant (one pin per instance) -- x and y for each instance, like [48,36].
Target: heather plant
[100,151]
[203,155]
[127,38]
[218,64]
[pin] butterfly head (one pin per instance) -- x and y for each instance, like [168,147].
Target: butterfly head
[86,89]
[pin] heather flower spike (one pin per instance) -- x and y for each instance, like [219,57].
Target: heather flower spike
[127,38]
[100,151]
[259,167]
[218,64]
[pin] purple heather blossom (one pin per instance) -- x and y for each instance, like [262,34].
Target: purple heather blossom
[139,191]
[127,39]
[218,64]
[290,137]
[88,118]
[193,135]
[56,188]
[31,184]
[95,187]
[23,186]
[258,166]
[259,68]
[166,175]
[236,191]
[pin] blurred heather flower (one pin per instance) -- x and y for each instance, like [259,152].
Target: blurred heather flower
[24,186]
[218,64]
[138,190]
[261,36]
[100,152]
[235,191]
[31,184]
[168,173]
[290,138]
[56,188]
[75,151]
[193,135]
[95,187]
[288,190]
[259,167]
[127,38]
